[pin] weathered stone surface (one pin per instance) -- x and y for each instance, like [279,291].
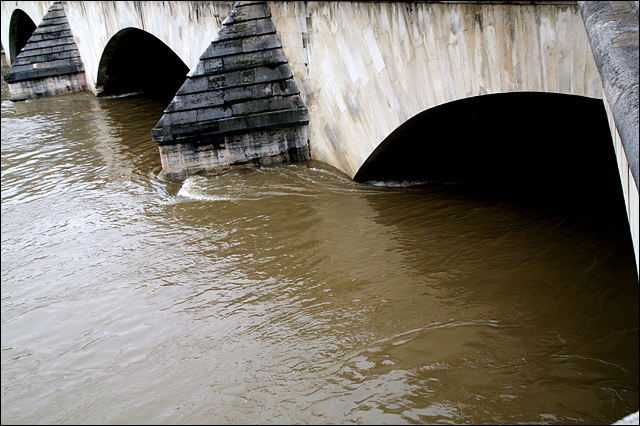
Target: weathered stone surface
[235,94]
[612,28]
[247,12]
[207,66]
[239,30]
[241,90]
[200,131]
[287,87]
[242,45]
[50,54]
[195,100]
[245,60]
[47,50]
[63,41]
[54,21]
[47,86]
[240,150]
[267,57]
[208,114]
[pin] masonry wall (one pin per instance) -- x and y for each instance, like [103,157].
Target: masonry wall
[35,9]
[49,64]
[186,27]
[365,68]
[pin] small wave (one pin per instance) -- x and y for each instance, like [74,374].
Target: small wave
[194,188]
[124,95]
[397,184]
[412,183]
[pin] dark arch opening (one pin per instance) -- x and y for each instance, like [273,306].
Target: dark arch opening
[20,29]
[546,150]
[135,61]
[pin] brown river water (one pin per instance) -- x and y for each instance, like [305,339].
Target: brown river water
[290,294]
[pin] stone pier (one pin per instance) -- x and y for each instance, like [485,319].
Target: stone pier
[240,107]
[49,64]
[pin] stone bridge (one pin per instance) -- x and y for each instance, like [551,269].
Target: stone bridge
[502,91]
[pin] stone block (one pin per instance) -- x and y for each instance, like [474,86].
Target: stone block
[53,27]
[231,79]
[286,102]
[65,62]
[55,14]
[277,118]
[160,134]
[53,21]
[241,45]
[223,48]
[246,29]
[193,132]
[248,12]
[285,87]
[178,117]
[195,100]
[49,57]
[53,35]
[263,42]
[194,84]
[208,67]
[265,74]
[47,50]
[246,3]
[251,107]
[245,77]
[50,43]
[217,82]
[234,124]
[214,113]
[235,94]
[255,59]
[285,71]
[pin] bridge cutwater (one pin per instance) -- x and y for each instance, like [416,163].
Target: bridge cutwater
[259,83]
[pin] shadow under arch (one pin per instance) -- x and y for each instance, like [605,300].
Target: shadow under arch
[21,27]
[135,61]
[544,149]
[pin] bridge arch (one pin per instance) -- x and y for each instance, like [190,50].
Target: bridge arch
[18,21]
[540,148]
[366,70]
[21,27]
[186,28]
[136,61]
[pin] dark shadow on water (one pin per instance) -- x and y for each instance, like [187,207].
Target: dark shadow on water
[549,152]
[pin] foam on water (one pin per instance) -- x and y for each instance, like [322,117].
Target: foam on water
[195,188]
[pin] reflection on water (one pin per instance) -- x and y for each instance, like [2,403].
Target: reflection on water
[290,294]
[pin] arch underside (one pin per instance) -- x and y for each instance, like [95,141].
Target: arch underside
[21,27]
[135,61]
[534,146]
